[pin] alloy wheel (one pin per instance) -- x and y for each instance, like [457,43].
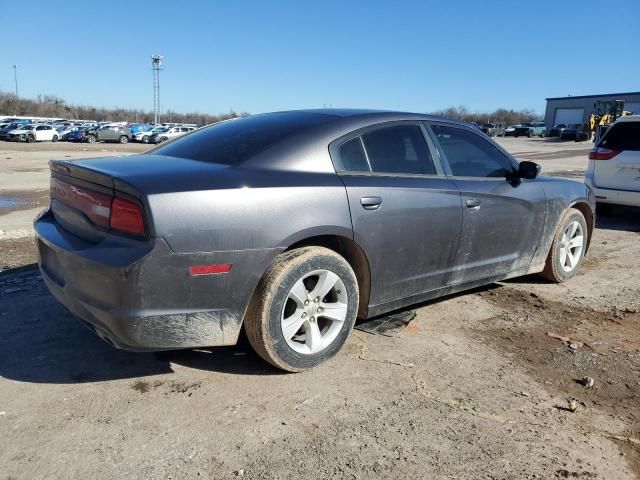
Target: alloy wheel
[571,246]
[314,312]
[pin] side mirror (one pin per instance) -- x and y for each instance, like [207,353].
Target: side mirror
[529,170]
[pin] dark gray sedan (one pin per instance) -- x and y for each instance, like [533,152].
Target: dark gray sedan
[293,224]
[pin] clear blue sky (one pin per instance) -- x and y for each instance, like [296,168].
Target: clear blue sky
[271,55]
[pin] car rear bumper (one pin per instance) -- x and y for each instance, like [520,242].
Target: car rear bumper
[140,295]
[614,197]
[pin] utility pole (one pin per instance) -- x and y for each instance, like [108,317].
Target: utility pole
[156,62]
[15,78]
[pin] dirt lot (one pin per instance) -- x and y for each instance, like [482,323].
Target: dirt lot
[476,386]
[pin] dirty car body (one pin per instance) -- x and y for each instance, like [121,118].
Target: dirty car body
[165,250]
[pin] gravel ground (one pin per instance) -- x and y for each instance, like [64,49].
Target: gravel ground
[477,385]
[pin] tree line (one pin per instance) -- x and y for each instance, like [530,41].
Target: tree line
[56,107]
[499,116]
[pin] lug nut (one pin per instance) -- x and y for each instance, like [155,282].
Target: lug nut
[319,309]
[306,302]
[304,314]
[313,319]
[317,299]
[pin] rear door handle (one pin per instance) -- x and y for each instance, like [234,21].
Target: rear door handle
[371,203]
[473,203]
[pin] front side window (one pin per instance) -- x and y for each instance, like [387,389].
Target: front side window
[399,149]
[470,155]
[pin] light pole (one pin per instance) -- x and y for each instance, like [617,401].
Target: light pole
[15,78]
[156,62]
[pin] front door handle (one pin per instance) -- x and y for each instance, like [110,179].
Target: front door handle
[473,203]
[371,203]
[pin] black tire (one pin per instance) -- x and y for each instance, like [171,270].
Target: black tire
[55,138]
[162,139]
[91,139]
[124,139]
[553,269]
[263,321]
[30,139]
[145,139]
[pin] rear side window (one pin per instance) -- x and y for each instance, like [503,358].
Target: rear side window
[470,155]
[235,141]
[398,149]
[623,136]
[352,156]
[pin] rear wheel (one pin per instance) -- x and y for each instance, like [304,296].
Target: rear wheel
[568,247]
[55,138]
[304,309]
[91,139]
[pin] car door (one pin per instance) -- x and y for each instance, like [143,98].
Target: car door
[502,215]
[406,214]
[38,133]
[617,163]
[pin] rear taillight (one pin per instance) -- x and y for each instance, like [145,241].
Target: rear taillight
[126,216]
[601,153]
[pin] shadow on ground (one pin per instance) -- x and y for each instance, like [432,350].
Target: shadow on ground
[41,342]
[614,217]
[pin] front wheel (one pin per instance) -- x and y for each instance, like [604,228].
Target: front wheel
[304,309]
[31,139]
[91,139]
[145,139]
[55,138]
[124,139]
[568,247]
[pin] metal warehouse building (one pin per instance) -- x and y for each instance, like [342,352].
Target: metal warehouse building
[577,109]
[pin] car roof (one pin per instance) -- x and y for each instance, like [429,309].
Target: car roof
[629,118]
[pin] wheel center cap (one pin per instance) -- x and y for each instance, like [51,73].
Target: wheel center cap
[312,309]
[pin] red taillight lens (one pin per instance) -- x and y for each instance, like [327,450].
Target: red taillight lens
[127,217]
[600,153]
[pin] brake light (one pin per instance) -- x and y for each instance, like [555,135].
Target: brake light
[601,153]
[126,216]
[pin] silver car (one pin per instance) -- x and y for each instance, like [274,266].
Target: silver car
[291,225]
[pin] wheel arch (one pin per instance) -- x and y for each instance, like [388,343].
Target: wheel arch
[353,254]
[584,208]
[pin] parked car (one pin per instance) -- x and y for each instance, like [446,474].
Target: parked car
[139,128]
[493,130]
[511,130]
[557,130]
[34,133]
[169,133]
[574,131]
[79,135]
[108,133]
[273,223]
[530,129]
[65,132]
[4,131]
[614,164]
[144,136]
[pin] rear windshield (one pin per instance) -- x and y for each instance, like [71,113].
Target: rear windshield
[234,141]
[623,136]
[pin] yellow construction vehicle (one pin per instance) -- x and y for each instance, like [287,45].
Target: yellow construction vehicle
[603,115]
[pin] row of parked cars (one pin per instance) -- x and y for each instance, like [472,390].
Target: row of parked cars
[21,130]
[573,131]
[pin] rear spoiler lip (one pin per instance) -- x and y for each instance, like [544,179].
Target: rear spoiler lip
[71,169]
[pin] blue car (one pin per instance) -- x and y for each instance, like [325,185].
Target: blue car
[140,127]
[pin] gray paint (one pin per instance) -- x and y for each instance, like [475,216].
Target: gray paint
[422,242]
[585,102]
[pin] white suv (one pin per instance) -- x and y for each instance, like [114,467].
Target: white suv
[34,133]
[614,164]
[169,133]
